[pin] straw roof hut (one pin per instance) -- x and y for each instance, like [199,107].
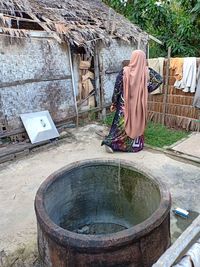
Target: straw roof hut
[60,55]
[80,22]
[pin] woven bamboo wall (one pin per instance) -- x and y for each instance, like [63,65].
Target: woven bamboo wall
[179,110]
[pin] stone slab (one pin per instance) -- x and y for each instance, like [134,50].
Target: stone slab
[190,146]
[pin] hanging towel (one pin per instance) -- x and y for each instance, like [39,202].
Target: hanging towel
[196,102]
[157,64]
[188,82]
[176,64]
[191,258]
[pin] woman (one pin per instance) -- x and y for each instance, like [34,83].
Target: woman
[130,103]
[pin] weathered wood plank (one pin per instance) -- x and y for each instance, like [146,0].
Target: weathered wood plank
[180,246]
[97,76]
[166,86]
[58,123]
[22,82]
[45,27]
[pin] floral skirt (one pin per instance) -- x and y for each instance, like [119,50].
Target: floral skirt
[117,138]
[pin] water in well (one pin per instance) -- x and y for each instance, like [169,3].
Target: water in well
[99,204]
[100,228]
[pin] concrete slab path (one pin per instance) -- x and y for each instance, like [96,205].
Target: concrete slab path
[190,146]
[20,180]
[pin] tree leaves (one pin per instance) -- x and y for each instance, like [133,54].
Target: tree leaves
[175,22]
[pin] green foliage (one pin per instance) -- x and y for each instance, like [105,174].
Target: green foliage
[156,134]
[175,22]
[109,119]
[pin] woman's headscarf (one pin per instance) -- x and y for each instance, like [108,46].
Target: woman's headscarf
[135,94]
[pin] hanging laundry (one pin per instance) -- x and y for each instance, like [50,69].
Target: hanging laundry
[188,82]
[196,102]
[176,64]
[157,64]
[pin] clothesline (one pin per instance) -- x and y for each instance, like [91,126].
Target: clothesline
[186,72]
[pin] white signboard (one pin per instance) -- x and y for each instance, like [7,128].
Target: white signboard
[39,126]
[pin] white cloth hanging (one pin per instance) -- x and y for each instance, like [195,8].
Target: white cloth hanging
[188,82]
[157,64]
[196,102]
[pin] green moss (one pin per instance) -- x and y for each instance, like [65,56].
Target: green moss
[128,183]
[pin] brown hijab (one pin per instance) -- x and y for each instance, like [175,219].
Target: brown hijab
[135,94]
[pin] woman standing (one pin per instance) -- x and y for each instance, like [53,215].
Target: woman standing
[130,103]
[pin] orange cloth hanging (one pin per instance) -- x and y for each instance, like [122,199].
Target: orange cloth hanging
[177,65]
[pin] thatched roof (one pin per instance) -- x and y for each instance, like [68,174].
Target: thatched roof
[81,22]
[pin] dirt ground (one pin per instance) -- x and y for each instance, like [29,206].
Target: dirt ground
[20,180]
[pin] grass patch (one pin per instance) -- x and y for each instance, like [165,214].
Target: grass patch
[156,134]
[160,136]
[109,119]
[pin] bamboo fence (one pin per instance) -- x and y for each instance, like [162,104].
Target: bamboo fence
[179,111]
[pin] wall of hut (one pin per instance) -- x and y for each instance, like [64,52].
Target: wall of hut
[110,59]
[34,76]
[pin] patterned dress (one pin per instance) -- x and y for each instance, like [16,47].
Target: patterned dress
[117,138]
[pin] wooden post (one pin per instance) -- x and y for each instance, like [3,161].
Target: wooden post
[102,76]
[139,42]
[73,83]
[109,19]
[166,86]
[113,24]
[147,51]
[97,76]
